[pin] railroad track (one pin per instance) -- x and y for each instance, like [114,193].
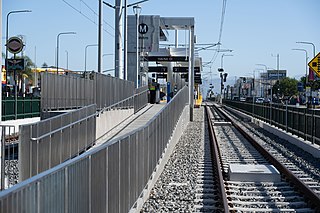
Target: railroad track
[235,148]
[11,147]
[208,193]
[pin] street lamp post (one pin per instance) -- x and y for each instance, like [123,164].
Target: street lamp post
[314,47]
[67,59]
[266,69]
[108,70]
[137,11]
[85,55]
[7,33]
[278,64]
[306,52]
[58,36]
[223,55]
[259,89]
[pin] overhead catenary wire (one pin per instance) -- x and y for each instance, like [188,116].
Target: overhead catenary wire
[223,12]
[96,14]
[93,21]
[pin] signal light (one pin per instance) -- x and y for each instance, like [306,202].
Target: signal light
[244,80]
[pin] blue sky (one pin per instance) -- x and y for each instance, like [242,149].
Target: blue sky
[254,29]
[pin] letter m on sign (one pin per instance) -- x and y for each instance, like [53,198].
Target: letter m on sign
[143,28]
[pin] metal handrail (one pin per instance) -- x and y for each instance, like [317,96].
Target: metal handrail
[61,128]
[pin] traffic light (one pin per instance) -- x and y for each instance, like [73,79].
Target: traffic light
[244,80]
[225,77]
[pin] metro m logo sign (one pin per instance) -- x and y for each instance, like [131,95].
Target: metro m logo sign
[143,28]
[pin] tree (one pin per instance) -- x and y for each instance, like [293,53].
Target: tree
[286,87]
[44,65]
[315,85]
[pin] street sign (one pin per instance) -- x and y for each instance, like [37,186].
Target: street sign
[15,64]
[157,69]
[314,64]
[197,78]
[162,76]
[15,45]
[185,69]
[166,58]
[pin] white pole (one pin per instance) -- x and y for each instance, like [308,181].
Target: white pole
[118,39]
[125,56]
[100,38]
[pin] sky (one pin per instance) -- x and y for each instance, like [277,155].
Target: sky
[256,31]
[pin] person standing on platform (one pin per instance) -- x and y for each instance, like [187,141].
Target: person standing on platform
[152,89]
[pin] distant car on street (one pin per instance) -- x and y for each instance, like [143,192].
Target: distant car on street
[242,99]
[259,100]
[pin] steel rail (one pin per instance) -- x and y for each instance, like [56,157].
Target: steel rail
[308,193]
[216,156]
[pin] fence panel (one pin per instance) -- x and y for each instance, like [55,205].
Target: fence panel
[55,140]
[99,181]
[299,121]
[113,177]
[105,178]
[124,174]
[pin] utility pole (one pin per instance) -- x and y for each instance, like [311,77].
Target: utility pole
[100,38]
[118,39]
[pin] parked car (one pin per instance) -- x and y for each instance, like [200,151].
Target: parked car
[259,100]
[315,101]
[266,100]
[242,99]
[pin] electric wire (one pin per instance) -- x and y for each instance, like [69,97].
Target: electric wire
[223,12]
[95,13]
[79,11]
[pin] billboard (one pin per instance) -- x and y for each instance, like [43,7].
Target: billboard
[276,74]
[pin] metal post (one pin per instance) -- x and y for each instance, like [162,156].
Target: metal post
[15,95]
[2,143]
[57,56]
[137,10]
[85,55]
[1,132]
[118,41]
[7,35]
[125,35]
[305,124]
[313,46]
[278,61]
[137,50]
[191,71]
[176,39]
[286,115]
[313,126]
[67,60]
[57,53]
[306,52]
[100,38]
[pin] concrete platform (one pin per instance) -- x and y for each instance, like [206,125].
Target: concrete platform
[14,124]
[253,173]
[133,122]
